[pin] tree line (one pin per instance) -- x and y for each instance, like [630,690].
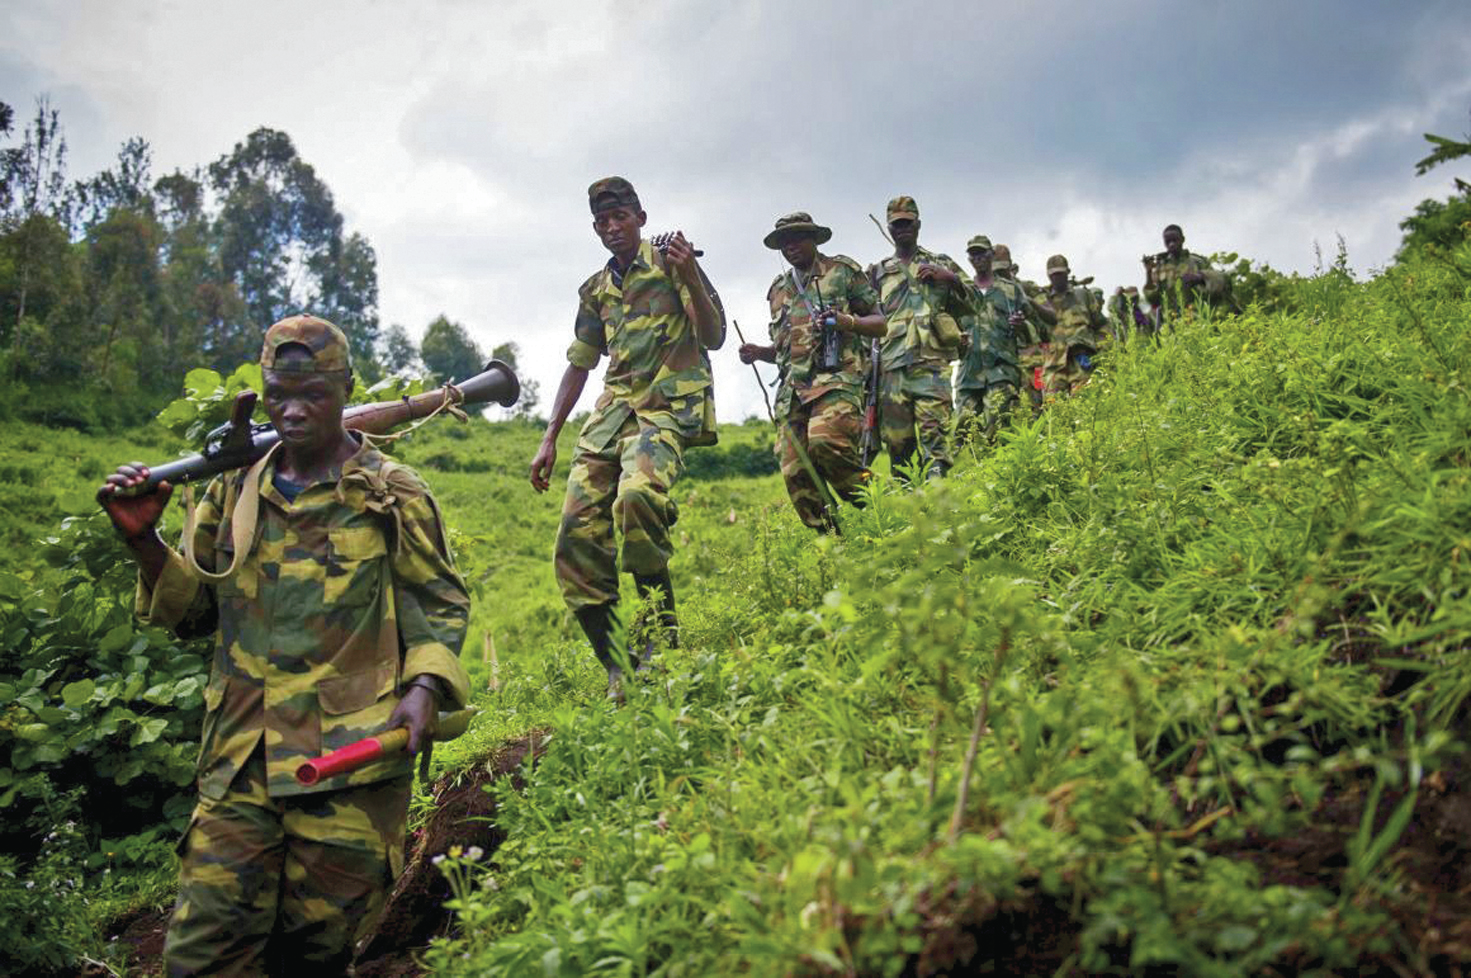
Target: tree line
[113,286]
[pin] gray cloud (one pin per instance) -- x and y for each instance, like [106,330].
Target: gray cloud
[459,137]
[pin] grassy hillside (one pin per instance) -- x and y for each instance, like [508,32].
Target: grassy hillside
[1174,681]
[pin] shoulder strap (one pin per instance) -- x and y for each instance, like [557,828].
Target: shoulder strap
[243,521]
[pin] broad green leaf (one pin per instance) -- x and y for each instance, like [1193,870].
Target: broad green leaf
[115,639]
[77,693]
[148,731]
[203,382]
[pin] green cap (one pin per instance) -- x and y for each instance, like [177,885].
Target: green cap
[611,192]
[1057,263]
[903,208]
[979,243]
[326,343]
[794,225]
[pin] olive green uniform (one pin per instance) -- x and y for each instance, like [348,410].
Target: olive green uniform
[657,399]
[820,409]
[348,591]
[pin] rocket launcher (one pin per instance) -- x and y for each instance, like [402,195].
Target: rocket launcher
[369,749]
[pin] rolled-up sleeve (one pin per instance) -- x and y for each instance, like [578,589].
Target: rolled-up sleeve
[433,607]
[178,600]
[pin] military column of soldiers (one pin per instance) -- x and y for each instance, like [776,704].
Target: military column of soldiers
[945,355]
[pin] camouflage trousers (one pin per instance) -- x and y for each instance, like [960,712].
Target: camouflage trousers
[281,885]
[981,411]
[1061,372]
[916,399]
[828,429]
[625,485]
[1030,359]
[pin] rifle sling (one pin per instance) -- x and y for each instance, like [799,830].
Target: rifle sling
[243,521]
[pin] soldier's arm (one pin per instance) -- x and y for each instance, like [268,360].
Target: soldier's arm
[588,343]
[431,603]
[168,593]
[698,305]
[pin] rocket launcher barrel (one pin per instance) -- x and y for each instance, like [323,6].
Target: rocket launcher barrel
[369,749]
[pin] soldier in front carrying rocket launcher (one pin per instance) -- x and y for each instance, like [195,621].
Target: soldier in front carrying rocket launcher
[652,312]
[822,309]
[1080,331]
[1177,282]
[922,295]
[324,574]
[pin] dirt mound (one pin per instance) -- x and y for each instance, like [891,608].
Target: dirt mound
[142,933]
[463,816]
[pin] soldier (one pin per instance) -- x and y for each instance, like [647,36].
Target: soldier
[921,294]
[1078,334]
[341,617]
[1127,315]
[988,378]
[1176,281]
[652,312]
[821,309]
[1031,350]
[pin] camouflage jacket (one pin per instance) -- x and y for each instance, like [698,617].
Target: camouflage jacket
[992,357]
[1080,320]
[844,288]
[348,593]
[911,307]
[1164,288]
[658,369]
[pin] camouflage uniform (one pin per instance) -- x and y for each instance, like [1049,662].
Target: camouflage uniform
[347,593]
[1171,297]
[1032,347]
[821,409]
[657,399]
[1080,331]
[915,360]
[988,379]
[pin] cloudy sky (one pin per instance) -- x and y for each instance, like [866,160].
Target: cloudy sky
[460,136]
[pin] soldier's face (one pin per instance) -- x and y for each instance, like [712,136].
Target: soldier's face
[800,252]
[618,228]
[1174,241]
[905,232]
[306,408]
[1058,279]
[981,260]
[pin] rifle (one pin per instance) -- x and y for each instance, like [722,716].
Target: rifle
[238,443]
[369,749]
[868,444]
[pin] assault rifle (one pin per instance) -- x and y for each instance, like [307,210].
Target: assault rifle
[238,443]
[868,445]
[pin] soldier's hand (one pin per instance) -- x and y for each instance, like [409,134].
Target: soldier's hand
[749,352]
[936,273]
[418,713]
[133,516]
[1017,318]
[541,466]
[681,255]
[1193,278]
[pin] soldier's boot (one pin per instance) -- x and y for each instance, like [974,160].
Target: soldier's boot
[600,624]
[667,619]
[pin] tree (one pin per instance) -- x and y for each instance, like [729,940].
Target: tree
[448,352]
[34,177]
[397,351]
[526,405]
[281,244]
[126,185]
[1440,223]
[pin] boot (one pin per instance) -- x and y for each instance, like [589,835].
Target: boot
[599,623]
[646,584]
